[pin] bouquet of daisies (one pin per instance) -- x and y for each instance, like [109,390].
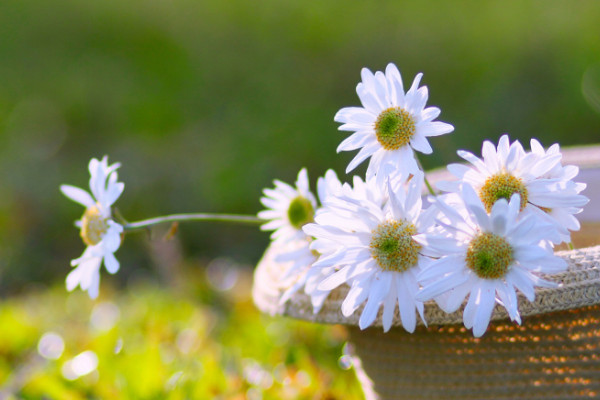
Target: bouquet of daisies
[485,235]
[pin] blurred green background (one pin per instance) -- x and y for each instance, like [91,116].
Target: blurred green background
[206,102]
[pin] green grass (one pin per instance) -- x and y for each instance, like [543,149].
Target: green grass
[184,342]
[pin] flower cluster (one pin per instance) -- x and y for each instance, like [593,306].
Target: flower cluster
[490,233]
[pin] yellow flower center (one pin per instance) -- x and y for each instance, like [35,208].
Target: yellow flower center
[300,212]
[394,128]
[393,247]
[502,186]
[93,226]
[489,256]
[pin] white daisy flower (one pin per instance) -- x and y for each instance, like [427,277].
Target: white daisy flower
[296,258]
[544,186]
[563,218]
[299,258]
[288,208]
[99,232]
[389,125]
[279,264]
[374,251]
[286,268]
[487,256]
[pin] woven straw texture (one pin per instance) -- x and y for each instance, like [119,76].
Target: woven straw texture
[551,356]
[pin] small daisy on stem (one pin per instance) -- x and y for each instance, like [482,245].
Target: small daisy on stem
[294,254]
[98,230]
[102,234]
[288,208]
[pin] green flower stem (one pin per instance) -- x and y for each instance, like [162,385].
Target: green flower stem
[429,186]
[571,247]
[233,218]
[424,176]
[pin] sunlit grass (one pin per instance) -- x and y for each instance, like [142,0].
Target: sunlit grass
[192,341]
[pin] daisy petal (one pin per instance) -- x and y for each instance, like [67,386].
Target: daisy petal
[357,294]
[79,195]
[444,284]
[420,143]
[389,306]
[379,290]
[111,263]
[437,128]
[483,313]
[362,155]
[406,304]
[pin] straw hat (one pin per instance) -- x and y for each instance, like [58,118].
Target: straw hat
[554,354]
